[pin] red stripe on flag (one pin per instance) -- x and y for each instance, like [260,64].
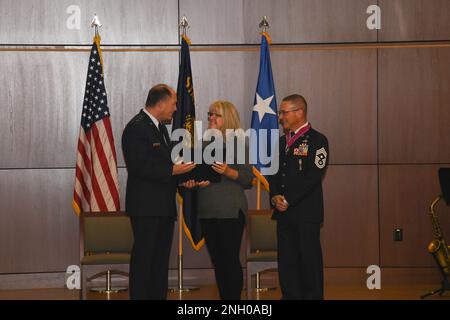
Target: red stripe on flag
[80,177]
[96,190]
[105,164]
[84,156]
[107,124]
[115,192]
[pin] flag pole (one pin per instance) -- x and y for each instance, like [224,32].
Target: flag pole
[96,24]
[180,287]
[108,289]
[180,249]
[263,25]
[258,194]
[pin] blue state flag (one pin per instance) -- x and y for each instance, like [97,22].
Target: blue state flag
[264,115]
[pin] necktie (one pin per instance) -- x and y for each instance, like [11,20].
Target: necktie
[163,133]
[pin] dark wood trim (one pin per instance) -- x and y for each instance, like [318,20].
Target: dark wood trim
[238,47]
[112,214]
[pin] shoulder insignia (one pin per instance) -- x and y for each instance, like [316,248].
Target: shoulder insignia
[321,158]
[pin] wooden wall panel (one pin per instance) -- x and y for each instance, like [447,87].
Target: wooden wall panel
[38,228]
[414,99]
[350,229]
[39,231]
[122,177]
[40,92]
[44,94]
[414,20]
[345,98]
[340,88]
[291,21]
[124,22]
[406,192]
[225,76]
[129,78]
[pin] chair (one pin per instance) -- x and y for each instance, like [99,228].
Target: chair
[261,246]
[106,240]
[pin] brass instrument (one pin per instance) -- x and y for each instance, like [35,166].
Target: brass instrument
[440,250]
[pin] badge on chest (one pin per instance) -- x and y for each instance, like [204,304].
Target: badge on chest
[302,150]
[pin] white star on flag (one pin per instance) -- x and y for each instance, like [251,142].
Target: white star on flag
[262,106]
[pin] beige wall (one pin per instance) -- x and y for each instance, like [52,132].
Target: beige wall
[385,110]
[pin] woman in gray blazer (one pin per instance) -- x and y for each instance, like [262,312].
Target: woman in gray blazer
[222,208]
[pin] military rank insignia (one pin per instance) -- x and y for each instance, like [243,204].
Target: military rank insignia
[321,158]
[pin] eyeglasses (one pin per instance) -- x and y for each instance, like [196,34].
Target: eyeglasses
[283,112]
[210,114]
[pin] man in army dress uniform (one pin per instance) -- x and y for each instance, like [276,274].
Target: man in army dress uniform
[296,195]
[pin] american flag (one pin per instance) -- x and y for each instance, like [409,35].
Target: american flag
[96,184]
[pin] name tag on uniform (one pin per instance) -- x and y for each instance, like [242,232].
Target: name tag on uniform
[156,144]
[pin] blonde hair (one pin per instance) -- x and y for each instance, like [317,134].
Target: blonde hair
[229,114]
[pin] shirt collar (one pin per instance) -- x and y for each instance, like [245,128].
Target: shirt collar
[154,120]
[301,127]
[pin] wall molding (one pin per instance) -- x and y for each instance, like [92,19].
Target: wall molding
[229,47]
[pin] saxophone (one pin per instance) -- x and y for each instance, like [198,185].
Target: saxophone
[437,247]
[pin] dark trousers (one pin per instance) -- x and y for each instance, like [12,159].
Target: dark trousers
[300,265]
[149,265]
[223,239]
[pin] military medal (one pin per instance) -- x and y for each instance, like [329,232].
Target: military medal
[290,140]
[303,149]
